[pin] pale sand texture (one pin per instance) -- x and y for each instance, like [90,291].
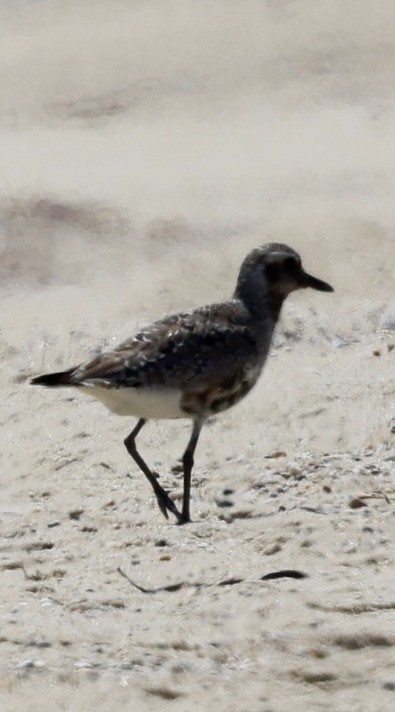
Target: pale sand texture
[145,148]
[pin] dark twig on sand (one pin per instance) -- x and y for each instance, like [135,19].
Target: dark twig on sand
[170,588]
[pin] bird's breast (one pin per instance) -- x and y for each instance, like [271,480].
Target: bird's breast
[222,395]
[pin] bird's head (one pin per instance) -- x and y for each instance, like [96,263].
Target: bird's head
[273,271]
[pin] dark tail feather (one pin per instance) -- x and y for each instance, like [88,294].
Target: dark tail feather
[62,378]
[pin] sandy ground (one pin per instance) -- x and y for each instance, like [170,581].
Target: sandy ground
[145,148]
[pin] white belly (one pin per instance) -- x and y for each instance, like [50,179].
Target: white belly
[142,403]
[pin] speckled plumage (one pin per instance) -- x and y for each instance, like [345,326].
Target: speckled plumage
[195,363]
[176,353]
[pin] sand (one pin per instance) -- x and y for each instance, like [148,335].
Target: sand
[145,148]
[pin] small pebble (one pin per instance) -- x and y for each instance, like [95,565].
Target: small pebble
[75,513]
[276,453]
[357,503]
[224,503]
[38,644]
[30,664]
[294,471]
[272,549]
[161,542]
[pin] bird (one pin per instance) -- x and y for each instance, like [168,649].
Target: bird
[196,363]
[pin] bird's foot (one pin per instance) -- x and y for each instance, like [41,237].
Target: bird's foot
[166,504]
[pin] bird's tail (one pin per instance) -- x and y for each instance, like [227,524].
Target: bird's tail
[61,378]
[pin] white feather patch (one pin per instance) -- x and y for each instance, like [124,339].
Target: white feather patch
[140,402]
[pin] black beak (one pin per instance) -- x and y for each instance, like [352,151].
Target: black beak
[309,281]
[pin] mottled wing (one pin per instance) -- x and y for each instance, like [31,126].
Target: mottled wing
[180,351]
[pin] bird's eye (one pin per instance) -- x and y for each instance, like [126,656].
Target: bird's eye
[291,265]
[272,272]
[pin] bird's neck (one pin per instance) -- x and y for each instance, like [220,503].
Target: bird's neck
[275,302]
[262,305]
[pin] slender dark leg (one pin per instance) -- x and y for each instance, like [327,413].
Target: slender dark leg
[187,460]
[164,501]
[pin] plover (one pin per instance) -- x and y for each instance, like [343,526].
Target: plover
[196,363]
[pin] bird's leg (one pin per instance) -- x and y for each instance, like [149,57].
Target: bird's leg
[187,461]
[164,501]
